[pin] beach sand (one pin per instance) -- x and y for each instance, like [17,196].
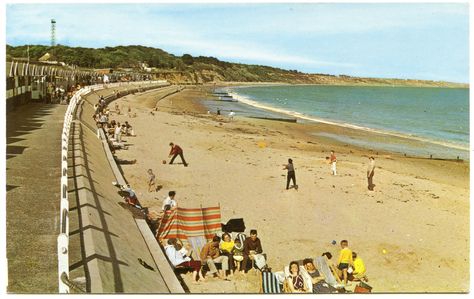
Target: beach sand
[412,232]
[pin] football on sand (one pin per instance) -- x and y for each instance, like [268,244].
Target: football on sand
[164,161]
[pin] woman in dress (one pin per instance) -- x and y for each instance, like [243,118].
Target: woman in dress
[295,279]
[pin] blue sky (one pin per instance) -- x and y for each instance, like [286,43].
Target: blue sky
[424,41]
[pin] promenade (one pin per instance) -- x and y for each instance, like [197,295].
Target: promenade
[32,204]
[105,243]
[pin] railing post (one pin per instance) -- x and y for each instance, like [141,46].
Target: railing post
[63,261]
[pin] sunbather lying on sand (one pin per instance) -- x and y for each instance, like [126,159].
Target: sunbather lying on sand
[318,279]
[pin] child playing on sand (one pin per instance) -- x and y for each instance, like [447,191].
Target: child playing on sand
[151,180]
[359,269]
[345,260]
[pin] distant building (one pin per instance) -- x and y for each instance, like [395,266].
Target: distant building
[45,57]
[145,67]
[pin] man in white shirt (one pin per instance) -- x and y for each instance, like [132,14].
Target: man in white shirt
[118,133]
[231,115]
[169,203]
[178,255]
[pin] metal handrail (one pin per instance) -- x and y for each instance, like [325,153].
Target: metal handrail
[63,238]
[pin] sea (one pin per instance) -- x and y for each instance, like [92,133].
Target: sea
[426,122]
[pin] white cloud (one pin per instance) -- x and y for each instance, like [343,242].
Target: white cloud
[246,51]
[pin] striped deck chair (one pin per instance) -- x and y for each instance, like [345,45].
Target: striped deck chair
[197,243]
[270,284]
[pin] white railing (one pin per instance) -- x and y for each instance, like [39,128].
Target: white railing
[63,237]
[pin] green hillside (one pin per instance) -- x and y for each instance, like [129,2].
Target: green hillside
[189,69]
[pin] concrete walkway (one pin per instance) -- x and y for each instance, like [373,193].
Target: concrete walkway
[110,241]
[106,245]
[32,178]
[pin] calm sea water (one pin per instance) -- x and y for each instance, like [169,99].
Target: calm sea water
[437,117]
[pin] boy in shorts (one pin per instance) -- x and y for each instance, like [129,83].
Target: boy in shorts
[345,260]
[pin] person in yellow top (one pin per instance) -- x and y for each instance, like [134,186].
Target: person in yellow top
[226,247]
[345,260]
[359,268]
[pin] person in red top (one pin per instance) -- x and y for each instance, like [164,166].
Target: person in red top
[175,151]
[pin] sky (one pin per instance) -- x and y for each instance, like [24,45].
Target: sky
[420,41]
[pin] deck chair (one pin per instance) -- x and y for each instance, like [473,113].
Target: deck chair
[307,279]
[323,267]
[197,243]
[270,283]
[241,237]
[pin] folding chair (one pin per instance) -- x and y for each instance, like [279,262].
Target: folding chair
[270,284]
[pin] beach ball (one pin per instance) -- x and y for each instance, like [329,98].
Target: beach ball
[384,251]
[262,144]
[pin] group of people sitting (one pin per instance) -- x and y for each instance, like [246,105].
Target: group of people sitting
[324,277]
[233,256]
[112,129]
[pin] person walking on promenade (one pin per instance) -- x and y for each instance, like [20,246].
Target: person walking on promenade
[333,163]
[175,151]
[370,173]
[291,174]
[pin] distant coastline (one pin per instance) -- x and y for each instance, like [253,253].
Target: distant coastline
[187,69]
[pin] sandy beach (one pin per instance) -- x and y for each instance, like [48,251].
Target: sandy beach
[412,232]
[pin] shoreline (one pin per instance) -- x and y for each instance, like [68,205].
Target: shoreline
[353,131]
[249,84]
[396,139]
[418,206]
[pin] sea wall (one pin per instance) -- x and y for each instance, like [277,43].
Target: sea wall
[110,241]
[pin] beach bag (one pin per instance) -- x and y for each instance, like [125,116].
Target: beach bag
[363,288]
[260,261]
[234,225]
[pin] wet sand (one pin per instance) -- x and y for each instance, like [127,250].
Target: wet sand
[418,214]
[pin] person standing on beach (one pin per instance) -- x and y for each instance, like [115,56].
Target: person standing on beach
[118,133]
[333,163]
[345,260]
[175,151]
[291,174]
[370,173]
[169,203]
[231,115]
